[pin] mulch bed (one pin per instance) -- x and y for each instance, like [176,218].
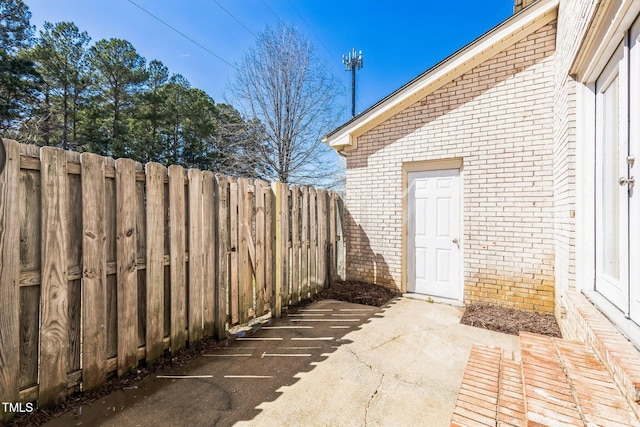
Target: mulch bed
[357,293]
[510,321]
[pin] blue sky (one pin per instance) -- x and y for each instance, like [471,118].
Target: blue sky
[399,39]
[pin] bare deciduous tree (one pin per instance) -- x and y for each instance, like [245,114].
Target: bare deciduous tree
[281,83]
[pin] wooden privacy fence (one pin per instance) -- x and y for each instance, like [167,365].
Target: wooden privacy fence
[104,263]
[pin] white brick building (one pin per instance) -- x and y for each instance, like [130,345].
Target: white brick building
[495,175]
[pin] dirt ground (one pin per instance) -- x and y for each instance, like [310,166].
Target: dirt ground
[509,321]
[357,293]
[483,316]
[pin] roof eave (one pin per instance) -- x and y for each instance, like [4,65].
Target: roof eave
[484,47]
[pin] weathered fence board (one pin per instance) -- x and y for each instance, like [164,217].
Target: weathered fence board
[155,259]
[177,238]
[104,264]
[246,248]
[74,239]
[167,256]
[94,271]
[195,256]
[295,245]
[9,277]
[29,213]
[269,244]
[209,252]
[280,248]
[233,255]
[222,294]
[333,234]
[126,249]
[322,238]
[141,248]
[29,331]
[286,238]
[260,246]
[74,313]
[313,252]
[54,333]
[111,213]
[304,244]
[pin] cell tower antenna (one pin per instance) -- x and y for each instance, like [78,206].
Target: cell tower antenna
[353,62]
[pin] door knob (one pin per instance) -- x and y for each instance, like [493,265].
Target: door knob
[627,181]
[455,241]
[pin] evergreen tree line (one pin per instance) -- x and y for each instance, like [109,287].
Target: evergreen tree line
[60,89]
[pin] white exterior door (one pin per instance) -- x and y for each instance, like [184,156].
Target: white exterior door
[433,233]
[612,205]
[618,178]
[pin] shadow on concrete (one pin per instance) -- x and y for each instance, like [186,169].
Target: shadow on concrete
[228,383]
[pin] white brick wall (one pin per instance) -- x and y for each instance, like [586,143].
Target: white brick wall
[573,19]
[498,118]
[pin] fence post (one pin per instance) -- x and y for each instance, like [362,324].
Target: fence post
[9,277]
[280,249]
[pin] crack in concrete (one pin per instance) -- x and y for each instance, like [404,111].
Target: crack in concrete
[382,374]
[373,395]
[382,344]
[375,392]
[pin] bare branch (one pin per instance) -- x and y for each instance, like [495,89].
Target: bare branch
[280,83]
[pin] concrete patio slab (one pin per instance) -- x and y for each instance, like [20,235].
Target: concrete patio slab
[331,363]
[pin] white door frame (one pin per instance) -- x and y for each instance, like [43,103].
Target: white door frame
[634,169]
[609,29]
[425,166]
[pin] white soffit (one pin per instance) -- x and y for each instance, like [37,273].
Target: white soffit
[608,28]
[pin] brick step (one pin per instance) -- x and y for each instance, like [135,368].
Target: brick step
[617,353]
[491,390]
[566,384]
[556,383]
